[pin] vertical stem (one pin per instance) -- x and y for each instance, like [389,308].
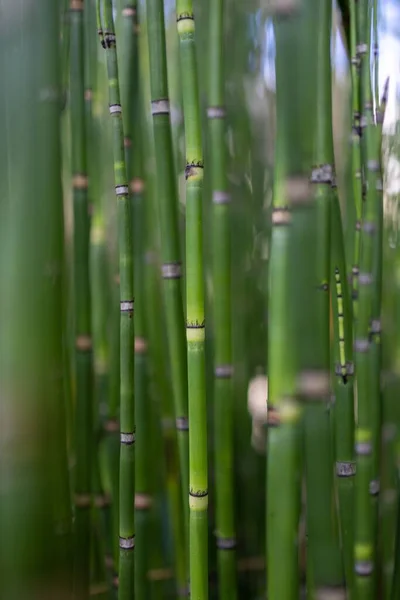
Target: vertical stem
[127,405]
[171,263]
[83,341]
[195,318]
[223,369]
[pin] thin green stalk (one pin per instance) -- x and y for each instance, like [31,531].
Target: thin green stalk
[355,149]
[343,410]
[284,412]
[365,527]
[83,341]
[127,405]
[195,318]
[322,527]
[171,263]
[223,369]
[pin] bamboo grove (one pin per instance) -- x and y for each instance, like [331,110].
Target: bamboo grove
[199,301]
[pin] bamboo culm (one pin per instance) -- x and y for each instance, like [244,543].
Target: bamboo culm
[83,341]
[223,369]
[195,318]
[127,405]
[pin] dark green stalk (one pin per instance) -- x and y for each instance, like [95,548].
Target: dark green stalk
[127,405]
[223,369]
[323,540]
[365,528]
[195,318]
[343,410]
[284,412]
[167,205]
[33,472]
[355,149]
[83,341]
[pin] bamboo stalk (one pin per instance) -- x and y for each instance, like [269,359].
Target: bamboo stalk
[195,318]
[343,411]
[83,340]
[365,529]
[223,369]
[284,412]
[171,265]
[322,529]
[127,405]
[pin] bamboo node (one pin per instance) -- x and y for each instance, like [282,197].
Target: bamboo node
[345,468]
[282,8]
[122,190]
[137,185]
[140,345]
[362,48]
[88,95]
[314,384]
[198,500]
[102,500]
[298,190]
[171,270]
[127,438]
[224,371]
[223,543]
[389,432]
[80,182]
[143,501]
[281,216]
[182,424]
[111,426]
[82,500]
[365,278]
[115,109]
[374,487]
[331,593]
[160,107]
[363,448]
[76,5]
[129,11]
[364,567]
[126,306]
[159,574]
[376,326]
[373,165]
[83,343]
[322,174]
[361,345]
[216,112]
[127,543]
[220,197]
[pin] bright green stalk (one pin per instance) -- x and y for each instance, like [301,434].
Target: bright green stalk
[127,406]
[284,413]
[83,342]
[323,540]
[365,529]
[343,410]
[355,148]
[195,323]
[223,370]
[167,203]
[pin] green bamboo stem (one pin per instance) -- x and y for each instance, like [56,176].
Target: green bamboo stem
[195,319]
[376,53]
[83,341]
[322,528]
[357,182]
[284,412]
[343,411]
[171,263]
[127,405]
[223,369]
[365,529]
